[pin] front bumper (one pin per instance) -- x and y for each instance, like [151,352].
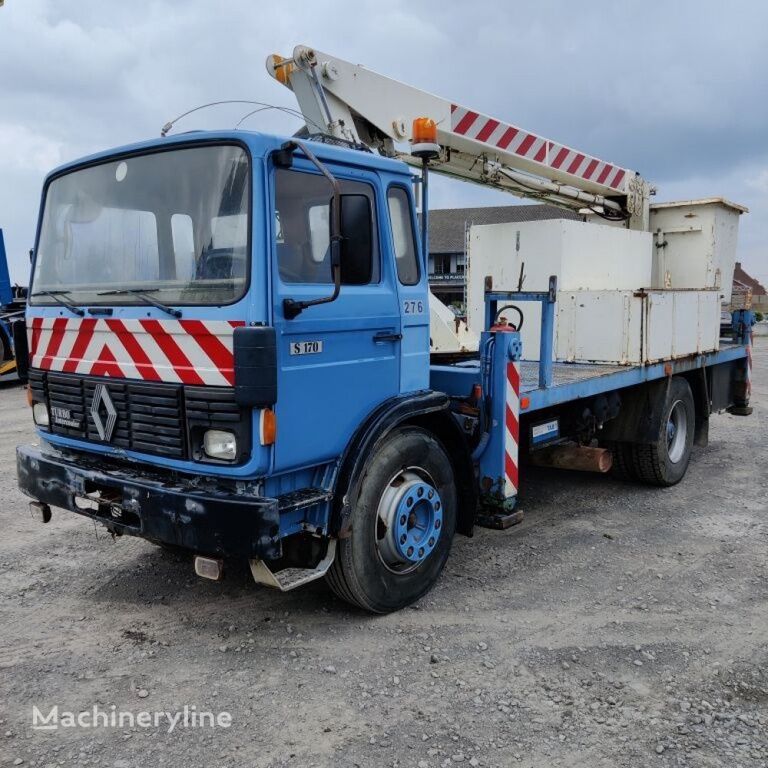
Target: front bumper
[161,508]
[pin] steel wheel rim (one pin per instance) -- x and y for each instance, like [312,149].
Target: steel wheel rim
[409,521]
[677,431]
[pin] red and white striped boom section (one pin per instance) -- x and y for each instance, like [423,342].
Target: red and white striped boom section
[349,101]
[553,157]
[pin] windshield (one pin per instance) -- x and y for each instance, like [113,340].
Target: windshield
[173,224]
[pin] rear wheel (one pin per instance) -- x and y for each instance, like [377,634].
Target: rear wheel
[622,467]
[665,461]
[403,520]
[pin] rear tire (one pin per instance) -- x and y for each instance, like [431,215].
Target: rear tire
[403,521]
[622,467]
[664,462]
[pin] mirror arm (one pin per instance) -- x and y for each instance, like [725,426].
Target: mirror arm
[291,307]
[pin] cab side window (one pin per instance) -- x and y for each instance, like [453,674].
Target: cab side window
[303,203]
[401,221]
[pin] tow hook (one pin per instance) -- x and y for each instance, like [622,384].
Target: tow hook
[40,511]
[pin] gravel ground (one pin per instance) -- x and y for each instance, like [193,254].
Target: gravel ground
[616,626]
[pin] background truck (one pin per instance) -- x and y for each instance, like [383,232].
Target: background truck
[232,347]
[12,303]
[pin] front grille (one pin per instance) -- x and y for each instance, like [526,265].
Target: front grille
[150,417]
[154,418]
[207,407]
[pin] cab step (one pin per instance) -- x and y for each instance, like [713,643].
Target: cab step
[290,578]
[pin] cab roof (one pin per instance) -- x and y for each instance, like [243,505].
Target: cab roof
[259,145]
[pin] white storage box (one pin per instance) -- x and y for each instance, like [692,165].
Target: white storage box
[597,326]
[583,256]
[621,299]
[631,327]
[695,244]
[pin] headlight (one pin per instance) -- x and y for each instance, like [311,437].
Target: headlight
[220,445]
[40,414]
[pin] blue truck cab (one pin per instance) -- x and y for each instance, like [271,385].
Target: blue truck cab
[182,390]
[228,353]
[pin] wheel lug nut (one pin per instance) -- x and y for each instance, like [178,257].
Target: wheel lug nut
[421,551]
[409,503]
[432,541]
[420,492]
[402,519]
[410,551]
[430,494]
[437,523]
[403,539]
[437,505]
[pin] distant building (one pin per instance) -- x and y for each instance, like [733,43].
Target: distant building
[743,282]
[448,228]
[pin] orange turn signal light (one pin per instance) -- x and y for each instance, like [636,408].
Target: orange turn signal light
[267,427]
[424,131]
[30,401]
[525,402]
[283,69]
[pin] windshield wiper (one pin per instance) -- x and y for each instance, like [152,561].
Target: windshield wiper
[143,296]
[57,297]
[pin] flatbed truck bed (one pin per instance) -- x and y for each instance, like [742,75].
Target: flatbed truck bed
[573,381]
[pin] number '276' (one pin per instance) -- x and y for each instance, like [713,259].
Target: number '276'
[413,307]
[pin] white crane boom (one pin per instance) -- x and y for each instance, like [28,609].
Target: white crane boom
[351,102]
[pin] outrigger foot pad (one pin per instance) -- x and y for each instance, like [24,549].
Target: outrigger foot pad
[741,410]
[499,520]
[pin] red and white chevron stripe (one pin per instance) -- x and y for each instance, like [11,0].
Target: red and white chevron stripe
[512,431]
[508,138]
[176,351]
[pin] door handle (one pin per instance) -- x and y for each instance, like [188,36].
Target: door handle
[383,336]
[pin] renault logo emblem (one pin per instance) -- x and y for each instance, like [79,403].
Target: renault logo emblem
[101,399]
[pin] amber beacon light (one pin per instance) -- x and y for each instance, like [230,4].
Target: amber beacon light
[424,138]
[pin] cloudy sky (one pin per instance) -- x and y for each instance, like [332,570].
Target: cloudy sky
[676,90]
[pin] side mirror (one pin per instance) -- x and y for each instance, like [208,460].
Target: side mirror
[357,239]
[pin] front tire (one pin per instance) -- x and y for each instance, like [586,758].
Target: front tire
[403,521]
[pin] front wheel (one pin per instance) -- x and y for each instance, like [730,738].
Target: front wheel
[403,521]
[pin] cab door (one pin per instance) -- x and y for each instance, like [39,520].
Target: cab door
[339,360]
[412,287]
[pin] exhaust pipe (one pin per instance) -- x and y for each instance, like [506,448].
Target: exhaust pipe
[579,457]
